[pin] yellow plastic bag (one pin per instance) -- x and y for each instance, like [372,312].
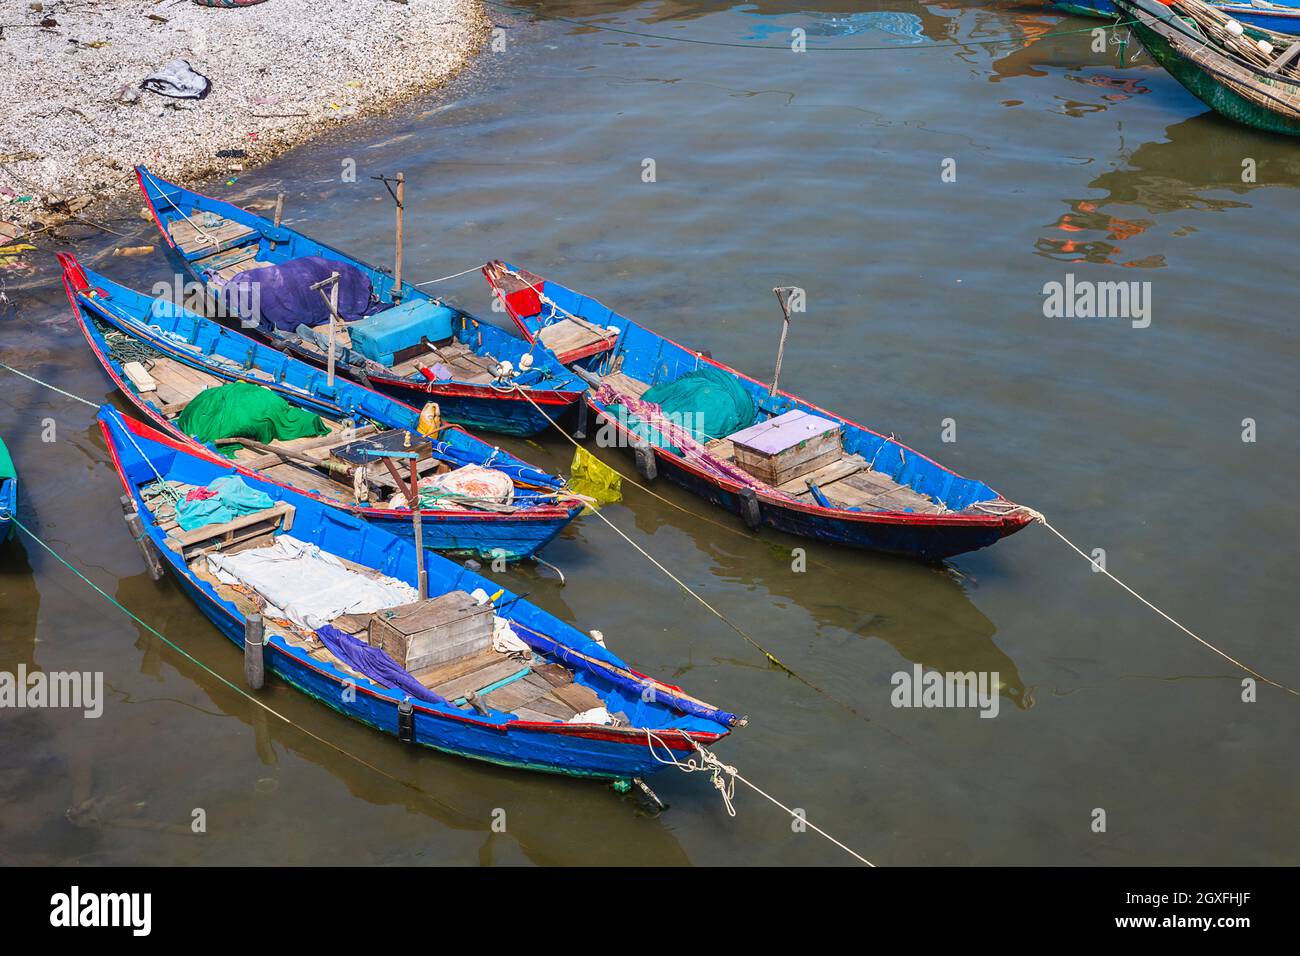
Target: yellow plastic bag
[590,476]
[430,420]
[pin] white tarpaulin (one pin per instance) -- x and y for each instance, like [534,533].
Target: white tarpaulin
[308,586]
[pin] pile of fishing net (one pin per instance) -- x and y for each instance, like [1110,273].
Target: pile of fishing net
[449,490]
[706,403]
[245,410]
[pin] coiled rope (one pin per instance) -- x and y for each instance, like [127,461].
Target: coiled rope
[724,777]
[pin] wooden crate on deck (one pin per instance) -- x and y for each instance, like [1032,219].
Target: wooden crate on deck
[436,631]
[787,446]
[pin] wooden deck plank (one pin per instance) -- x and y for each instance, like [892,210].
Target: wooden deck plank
[193,234]
[569,336]
[626,384]
[834,471]
[515,694]
[478,679]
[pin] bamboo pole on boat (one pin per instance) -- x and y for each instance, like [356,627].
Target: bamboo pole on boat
[254,639]
[397,267]
[279,213]
[781,293]
[399,197]
[421,577]
[332,301]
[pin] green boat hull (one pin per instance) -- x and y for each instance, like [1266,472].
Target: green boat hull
[1210,90]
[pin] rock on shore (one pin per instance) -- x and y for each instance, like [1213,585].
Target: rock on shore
[73,120]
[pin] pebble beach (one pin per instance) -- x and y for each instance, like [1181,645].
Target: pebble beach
[73,119]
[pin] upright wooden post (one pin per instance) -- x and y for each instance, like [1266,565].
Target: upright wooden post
[332,303]
[397,267]
[279,213]
[785,330]
[253,641]
[334,315]
[421,578]
[135,525]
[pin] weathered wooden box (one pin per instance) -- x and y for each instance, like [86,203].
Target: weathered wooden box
[442,629]
[787,446]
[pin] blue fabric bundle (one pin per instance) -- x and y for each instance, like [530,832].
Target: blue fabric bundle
[284,297]
[232,499]
[374,663]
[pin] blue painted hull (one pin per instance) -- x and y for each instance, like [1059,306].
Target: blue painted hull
[902,538]
[501,416]
[476,406]
[1279,21]
[974,515]
[573,750]
[8,507]
[510,536]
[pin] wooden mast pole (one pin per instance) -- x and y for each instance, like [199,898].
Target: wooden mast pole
[332,301]
[421,577]
[781,297]
[397,267]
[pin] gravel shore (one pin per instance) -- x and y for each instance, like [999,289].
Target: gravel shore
[73,120]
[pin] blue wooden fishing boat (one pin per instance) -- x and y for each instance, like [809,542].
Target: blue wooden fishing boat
[419,350]
[552,699]
[791,466]
[8,493]
[1278,17]
[176,354]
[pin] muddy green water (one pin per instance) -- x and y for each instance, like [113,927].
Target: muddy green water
[925,303]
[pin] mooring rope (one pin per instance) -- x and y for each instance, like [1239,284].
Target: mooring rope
[1097,566]
[772,658]
[724,777]
[204,667]
[85,401]
[53,388]
[455,275]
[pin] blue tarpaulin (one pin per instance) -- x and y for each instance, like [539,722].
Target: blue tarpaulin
[281,296]
[374,663]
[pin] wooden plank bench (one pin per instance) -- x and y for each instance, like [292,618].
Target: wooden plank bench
[573,339]
[219,537]
[196,239]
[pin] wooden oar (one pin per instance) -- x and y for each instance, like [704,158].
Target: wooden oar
[286,454]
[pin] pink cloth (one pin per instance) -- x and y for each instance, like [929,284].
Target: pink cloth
[200,494]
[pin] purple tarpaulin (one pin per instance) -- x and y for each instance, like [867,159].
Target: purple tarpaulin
[374,663]
[284,297]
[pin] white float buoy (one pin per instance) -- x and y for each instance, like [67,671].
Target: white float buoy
[1235,28]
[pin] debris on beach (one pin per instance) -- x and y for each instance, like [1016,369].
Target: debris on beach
[64,85]
[178,79]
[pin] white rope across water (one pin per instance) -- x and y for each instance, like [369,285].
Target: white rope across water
[53,388]
[724,777]
[455,275]
[1041,519]
[166,489]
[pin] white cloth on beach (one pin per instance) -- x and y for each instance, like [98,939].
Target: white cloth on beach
[308,586]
